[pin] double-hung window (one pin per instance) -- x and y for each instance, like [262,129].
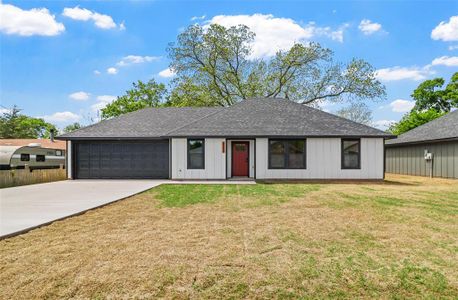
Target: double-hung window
[196,154]
[351,153]
[287,154]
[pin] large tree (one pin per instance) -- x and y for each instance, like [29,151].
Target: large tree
[414,119]
[72,127]
[358,112]
[431,94]
[150,94]
[14,125]
[431,101]
[214,66]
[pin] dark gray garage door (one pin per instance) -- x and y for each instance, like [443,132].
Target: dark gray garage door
[118,159]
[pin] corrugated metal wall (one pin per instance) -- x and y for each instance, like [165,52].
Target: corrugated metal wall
[409,160]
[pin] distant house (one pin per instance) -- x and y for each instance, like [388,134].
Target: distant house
[428,150]
[256,138]
[34,153]
[44,143]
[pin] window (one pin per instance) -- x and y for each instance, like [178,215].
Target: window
[287,154]
[58,152]
[351,154]
[196,154]
[40,157]
[25,157]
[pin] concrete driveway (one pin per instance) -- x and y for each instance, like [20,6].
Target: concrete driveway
[26,207]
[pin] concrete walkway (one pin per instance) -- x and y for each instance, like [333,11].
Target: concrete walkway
[27,207]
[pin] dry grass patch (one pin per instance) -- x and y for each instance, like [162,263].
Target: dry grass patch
[397,239]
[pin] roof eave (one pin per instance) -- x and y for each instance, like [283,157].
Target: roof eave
[421,142]
[111,138]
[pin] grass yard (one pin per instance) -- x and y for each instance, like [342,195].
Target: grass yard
[397,239]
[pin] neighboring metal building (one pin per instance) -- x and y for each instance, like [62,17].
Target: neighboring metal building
[428,150]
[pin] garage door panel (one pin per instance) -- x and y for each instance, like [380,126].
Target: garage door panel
[113,159]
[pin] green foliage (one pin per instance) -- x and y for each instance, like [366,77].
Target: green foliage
[431,102]
[358,112]
[13,125]
[414,119]
[216,67]
[72,127]
[430,94]
[142,95]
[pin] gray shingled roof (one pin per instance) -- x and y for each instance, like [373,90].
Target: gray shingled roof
[274,117]
[145,123]
[445,127]
[249,118]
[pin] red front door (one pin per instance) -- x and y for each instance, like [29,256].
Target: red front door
[240,158]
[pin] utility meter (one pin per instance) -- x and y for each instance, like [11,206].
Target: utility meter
[428,155]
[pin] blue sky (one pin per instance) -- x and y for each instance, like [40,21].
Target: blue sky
[63,60]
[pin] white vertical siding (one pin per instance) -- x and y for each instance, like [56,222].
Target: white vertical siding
[229,157]
[324,161]
[215,160]
[69,165]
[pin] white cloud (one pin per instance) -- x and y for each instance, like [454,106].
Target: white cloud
[453,47]
[83,14]
[112,71]
[135,59]
[274,34]
[383,124]
[79,96]
[97,72]
[122,26]
[167,73]
[4,110]
[195,18]
[326,105]
[449,61]
[62,117]
[102,101]
[401,105]
[36,21]
[403,73]
[446,31]
[368,27]
[335,35]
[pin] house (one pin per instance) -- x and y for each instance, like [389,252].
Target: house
[256,138]
[428,150]
[44,143]
[34,153]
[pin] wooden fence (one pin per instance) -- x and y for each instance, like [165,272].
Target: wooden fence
[9,178]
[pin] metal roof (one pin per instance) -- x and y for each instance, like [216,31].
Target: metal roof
[253,117]
[443,128]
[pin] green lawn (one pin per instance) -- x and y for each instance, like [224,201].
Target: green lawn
[260,194]
[397,239]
